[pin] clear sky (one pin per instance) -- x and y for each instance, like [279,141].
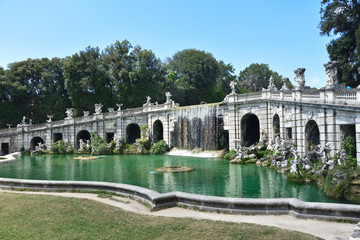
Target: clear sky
[281,33]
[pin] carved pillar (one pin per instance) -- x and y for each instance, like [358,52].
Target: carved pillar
[357,136]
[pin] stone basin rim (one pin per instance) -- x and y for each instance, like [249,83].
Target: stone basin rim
[157,201]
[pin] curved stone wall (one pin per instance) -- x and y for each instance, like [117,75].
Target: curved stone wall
[292,206]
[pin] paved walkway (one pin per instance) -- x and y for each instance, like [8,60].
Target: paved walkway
[322,229]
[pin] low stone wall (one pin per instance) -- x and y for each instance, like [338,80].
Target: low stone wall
[292,206]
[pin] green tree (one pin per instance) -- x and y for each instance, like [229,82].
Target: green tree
[196,74]
[134,73]
[35,89]
[341,19]
[225,76]
[117,63]
[86,80]
[146,78]
[256,77]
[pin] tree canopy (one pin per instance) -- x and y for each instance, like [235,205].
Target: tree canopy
[256,77]
[121,73]
[341,19]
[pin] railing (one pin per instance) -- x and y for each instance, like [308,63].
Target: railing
[133,111]
[346,95]
[249,96]
[311,95]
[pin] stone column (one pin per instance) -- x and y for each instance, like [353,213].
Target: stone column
[300,131]
[230,125]
[330,96]
[333,130]
[357,136]
[48,136]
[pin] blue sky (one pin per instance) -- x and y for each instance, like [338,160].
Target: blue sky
[281,33]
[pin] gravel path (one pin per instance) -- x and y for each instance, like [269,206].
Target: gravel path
[322,229]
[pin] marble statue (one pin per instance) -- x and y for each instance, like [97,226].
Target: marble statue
[31,122]
[86,113]
[82,144]
[49,118]
[111,110]
[70,113]
[88,144]
[119,107]
[168,97]
[300,78]
[285,80]
[23,122]
[331,72]
[98,109]
[41,146]
[271,84]
[232,85]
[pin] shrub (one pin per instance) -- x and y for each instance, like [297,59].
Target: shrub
[59,147]
[98,144]
[145,144]
[349,146]
[159,148]
[230,155]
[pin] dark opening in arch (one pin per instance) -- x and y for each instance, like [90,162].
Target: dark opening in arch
[276,125]
[109,136]
[4,149]
[312,135]
[158,131]
[223,135]
[84,135]
[132,132]
[34,143]
[57,137]
[250,129]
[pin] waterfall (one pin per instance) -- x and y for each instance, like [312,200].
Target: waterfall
[195,127]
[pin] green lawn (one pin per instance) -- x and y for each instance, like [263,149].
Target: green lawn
[49,217]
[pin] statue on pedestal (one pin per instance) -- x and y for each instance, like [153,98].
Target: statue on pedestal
[98,109]
[233,85]
[168,97]
[331,72]
[271,84]
[70,113]
[285,86]
[300,78]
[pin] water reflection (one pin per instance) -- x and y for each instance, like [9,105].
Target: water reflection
[211,176]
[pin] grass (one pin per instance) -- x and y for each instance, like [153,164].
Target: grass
[49,217]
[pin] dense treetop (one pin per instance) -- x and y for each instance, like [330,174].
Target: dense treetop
[121,73]
[341,19]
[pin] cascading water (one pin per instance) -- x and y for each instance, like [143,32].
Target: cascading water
[196,127]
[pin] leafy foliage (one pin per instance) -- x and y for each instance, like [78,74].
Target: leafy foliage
[159,148]
[98,144]
[230,155]
[342,20]
[256,77]
[121,73]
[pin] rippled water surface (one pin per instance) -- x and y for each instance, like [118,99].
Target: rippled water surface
[211,176]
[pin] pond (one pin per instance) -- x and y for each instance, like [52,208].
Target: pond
[214,177]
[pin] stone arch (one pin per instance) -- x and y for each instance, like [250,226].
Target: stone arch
[34,143]
[158,131]
[132,132]
[250,129]
[312,135]
[276,125]
[83,134]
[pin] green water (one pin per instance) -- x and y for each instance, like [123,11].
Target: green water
[213,177]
